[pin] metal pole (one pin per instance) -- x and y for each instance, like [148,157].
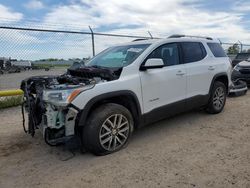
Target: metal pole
[241,46]
[13,92]
[220,41]
[150,35]
[93,40]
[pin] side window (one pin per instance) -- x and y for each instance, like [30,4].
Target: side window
[217,50]
[168,53]
[193,51]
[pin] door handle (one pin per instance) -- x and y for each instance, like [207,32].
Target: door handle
[180,73]
[211,68]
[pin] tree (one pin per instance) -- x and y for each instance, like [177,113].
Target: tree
[234,49]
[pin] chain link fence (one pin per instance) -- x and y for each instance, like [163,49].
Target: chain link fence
[46,47]
[233,48]
[40,45]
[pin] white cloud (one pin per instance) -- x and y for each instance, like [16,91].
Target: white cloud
[158,16]
[6,14]
[241,6]
[69,15]
[34,5]
[162,18]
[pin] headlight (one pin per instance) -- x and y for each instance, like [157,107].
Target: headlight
[64,96]
[237,68]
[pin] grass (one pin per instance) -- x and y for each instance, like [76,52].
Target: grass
[6,102]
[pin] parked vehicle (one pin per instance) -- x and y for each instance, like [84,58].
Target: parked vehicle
[10,69]
[240,57]
[242,71]
[22,64]
[7,67]
[13,69]
[125,87]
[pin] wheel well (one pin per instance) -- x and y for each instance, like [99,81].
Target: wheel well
[127,101]
[223,79]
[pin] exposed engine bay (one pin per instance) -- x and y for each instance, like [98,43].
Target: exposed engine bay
[47,100]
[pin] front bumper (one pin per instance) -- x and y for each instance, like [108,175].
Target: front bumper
[238,87]
[237,75]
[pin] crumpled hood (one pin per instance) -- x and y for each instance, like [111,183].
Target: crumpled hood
[91,72]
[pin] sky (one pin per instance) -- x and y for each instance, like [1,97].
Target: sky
[228,20]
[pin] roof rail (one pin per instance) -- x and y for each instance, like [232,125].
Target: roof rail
[138,40]
[180,36]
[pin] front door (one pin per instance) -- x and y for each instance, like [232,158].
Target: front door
[164,88]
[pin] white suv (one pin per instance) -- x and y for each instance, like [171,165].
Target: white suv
[125,87]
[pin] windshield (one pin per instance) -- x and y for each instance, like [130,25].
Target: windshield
[242,56]
[119,56]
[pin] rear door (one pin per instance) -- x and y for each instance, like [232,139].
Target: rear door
[164,86]
[199,68]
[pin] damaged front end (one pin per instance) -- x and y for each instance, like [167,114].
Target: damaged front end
[47,100]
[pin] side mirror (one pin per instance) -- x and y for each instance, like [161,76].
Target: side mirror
[153,63]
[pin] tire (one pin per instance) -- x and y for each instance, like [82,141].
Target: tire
[102,135]
[217,98]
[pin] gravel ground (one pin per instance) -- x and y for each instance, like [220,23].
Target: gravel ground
[12,81]
[189,150]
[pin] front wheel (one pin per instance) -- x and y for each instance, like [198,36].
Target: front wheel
[108,129]
[217,99]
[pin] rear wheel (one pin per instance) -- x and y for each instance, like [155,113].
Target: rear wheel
[217,98]
[108,129]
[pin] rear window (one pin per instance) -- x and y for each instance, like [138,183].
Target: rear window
[193,51]
[217,50]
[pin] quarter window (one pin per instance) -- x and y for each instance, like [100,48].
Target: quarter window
[168,53]
[217,50]
[193,51]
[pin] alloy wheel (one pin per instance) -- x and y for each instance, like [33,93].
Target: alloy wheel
[219,98]
[114,132]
